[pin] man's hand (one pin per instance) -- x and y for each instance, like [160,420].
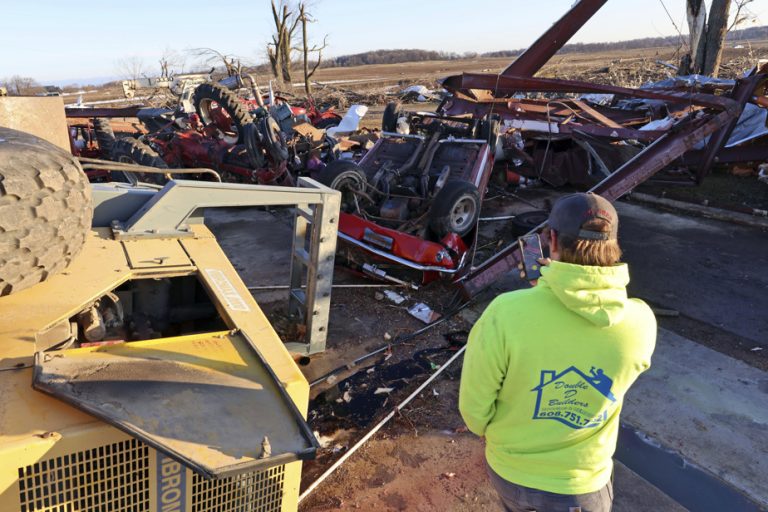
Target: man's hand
[542,261]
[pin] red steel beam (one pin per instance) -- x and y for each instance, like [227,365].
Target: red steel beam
[645,164]
[741,94]
[514,84]
[539,53]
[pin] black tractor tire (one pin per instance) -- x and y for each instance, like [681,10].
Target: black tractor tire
[206,93]
[524,222]
[133,151]
[392,112]
[344,176]
[252,140]
[328,122]
[274,139]
[455,209]
[45,210]
[104,136]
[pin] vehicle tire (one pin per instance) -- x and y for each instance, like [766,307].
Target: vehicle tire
[252,141]
[45,210]
[328,122]
[455,209]
[346,177]
[489,130]
[273,138]
[104,135]
[133,151]
[392,112]
[524,222]
[206,95]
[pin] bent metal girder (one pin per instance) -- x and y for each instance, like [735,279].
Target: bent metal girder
[505,86]
[548,44]
[691,129]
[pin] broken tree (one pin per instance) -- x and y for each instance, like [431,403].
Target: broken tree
[707,34]
[305,18]
[279,50]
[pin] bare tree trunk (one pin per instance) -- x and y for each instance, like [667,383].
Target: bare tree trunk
[286,55]
[717,28]
[697,24]
[280,49]
[707,36]
[305,48]
[305,18]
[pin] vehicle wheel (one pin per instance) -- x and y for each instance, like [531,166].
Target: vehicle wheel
[392,112]
[489,130]
[455,209]
[218,105]
[104,136]
[273,138]
[45,210]
[346,177]
[132,151]
[525,222]
[252,140]
[328,122]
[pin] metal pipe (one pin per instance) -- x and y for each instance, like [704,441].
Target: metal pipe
[378,427]
[108,165]
[286,287]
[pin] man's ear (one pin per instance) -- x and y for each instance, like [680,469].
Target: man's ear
[553,246]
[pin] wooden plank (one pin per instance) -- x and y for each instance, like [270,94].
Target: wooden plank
[610,123]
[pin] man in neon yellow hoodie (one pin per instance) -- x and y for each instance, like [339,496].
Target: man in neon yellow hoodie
[546,368]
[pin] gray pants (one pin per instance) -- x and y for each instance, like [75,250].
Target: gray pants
[516,498]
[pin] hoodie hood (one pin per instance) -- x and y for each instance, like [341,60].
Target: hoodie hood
[598,294]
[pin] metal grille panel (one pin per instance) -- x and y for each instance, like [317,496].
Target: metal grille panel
[104,479]
[260,491]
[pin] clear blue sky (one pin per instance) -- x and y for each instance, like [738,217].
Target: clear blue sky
[54,40]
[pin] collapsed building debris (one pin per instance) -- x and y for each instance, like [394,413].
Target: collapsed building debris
[537,130]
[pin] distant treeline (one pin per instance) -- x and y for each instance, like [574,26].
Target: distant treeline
[413,55]
[387,57]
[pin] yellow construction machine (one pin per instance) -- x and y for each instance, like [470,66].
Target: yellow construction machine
[137,373]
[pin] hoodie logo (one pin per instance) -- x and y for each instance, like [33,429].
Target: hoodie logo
[574,398]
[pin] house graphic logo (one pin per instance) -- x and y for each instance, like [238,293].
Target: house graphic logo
[574,398]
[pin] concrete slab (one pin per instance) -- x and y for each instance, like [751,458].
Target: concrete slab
[710,408]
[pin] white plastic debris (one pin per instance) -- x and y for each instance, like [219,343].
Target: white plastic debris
[422,93]
[380,391]
[347,396]
[350,122]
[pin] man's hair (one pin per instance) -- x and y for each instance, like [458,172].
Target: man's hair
[596,253]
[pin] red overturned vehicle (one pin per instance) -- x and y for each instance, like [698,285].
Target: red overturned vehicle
[410,206]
